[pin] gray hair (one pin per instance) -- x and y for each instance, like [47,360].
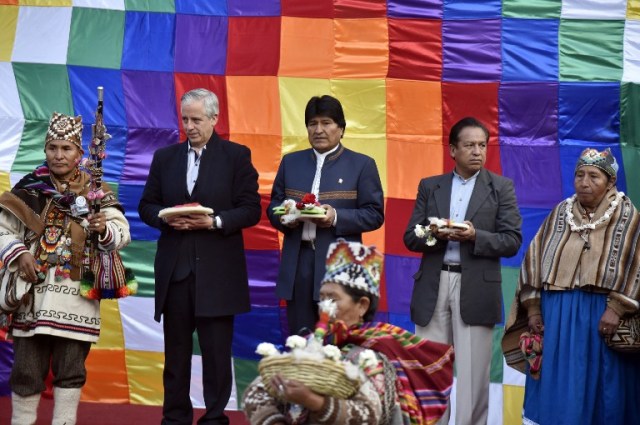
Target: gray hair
[211,106]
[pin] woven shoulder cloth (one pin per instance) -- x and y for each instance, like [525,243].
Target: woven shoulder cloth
[627,337]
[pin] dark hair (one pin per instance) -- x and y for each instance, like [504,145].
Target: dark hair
[463,123]
[356,294]
[325,106]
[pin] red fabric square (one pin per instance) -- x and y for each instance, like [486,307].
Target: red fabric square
[415,49]
[254,46]
[478,100]
[262,236]
[307,8]
[215,83]
[350,9]
[400,210]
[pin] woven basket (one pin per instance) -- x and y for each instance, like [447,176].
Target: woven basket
[327,377]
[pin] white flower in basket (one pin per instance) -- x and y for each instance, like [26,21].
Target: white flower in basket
[319,367]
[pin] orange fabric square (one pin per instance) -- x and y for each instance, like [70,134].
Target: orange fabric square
[361,48]
[10,2]
[415,49]
[412,158]
[306,47]
[414,107]
[265,155]
[479,100]
[215,83]
[107,379]
[254,105]
[253,46]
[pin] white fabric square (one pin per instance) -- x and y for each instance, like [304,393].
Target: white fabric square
[100,4]
[10,136]
[15,178]
[631,63]
[195,392]
[594,9]
[510,376]
[495,404]
[42,35]
[140,331]
[10,99]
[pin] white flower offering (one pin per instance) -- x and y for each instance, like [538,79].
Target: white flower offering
[332,352]
[367,359]
[266,349]
[296,341]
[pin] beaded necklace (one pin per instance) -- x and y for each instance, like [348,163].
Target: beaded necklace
[586,227]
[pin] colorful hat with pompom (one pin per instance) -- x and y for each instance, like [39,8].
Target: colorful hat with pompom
[354,264]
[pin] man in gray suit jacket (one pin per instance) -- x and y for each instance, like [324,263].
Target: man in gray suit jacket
[457,295]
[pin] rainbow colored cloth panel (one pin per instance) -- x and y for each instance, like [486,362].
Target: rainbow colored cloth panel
[549,78]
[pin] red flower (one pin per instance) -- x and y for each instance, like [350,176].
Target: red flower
[308,198]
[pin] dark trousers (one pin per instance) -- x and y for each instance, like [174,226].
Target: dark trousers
[215,335]
[302,309]
[33,356]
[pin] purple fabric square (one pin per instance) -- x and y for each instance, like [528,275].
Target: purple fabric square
[528,113]
[150,99]
[399,283]
[262,267]
[536,174]
[6,361]
[201,44]
[141,145]
[415,8]
[253,7]
[471,50]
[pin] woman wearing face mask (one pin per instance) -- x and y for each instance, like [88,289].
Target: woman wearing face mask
[580,275]
[392,392]
[44,226]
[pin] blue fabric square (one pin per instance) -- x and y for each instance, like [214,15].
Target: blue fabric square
[472,9]
[589,112]
[262,324]
[202,7]
[201,44]
[253,7]
[84,82]
[129,196]
[532,218]
[398,276]
[148,41]
[530,49]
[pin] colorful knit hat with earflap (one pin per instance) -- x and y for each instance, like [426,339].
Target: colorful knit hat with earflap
[603,160]
[354,264]
[65,127]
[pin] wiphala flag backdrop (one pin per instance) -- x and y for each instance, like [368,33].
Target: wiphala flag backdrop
[548,77]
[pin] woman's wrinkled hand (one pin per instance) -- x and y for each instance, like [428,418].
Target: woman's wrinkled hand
[608,322]
[27,267]
[535,324]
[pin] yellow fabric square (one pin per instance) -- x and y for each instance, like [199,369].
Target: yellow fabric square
[306,47]
[414,107]
[111,335]
[375,147]
[265,156]
[46,2]
[364,103]
[411,158]
[294,95]
[5,182]
[633,9]
[362,48]
[145,376]
[294,143]
[254,105]
[512,402]
[8,23]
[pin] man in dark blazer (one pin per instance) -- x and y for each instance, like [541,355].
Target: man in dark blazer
[457,293]
[200,267]
[346,184]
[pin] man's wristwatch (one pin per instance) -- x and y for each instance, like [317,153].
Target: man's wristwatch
[213,222]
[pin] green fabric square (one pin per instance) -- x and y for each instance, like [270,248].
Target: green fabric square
[531,9]
[631,159]
[630,116]
[585,57]
[245,372]
[167,6]
[31,150]
[43,89]
[96,38]
[140,256]
[496,369]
